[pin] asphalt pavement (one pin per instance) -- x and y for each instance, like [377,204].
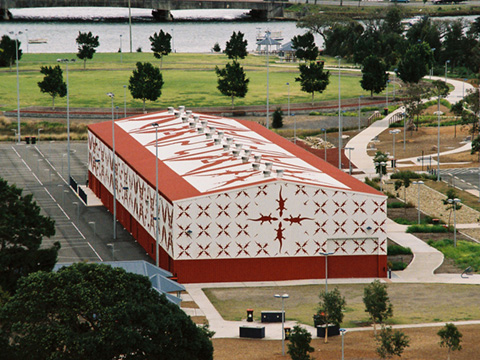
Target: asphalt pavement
[84,232]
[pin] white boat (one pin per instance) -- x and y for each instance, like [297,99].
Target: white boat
[37,41]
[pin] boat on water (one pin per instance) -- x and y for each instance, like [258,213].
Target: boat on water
[37,41]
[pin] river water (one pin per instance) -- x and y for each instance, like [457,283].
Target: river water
[195,32]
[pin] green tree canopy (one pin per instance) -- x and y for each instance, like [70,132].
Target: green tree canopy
[52,83]
[391,343]
[450,337]
[374,75]
[304,46]
[232,81]
[415,63]
[91,311]
[236,47]
[146,82]
[87,44]
[7,51]
[331,307]
[377,303]
[313,78]
[161,45]
[22,229]
[299,346]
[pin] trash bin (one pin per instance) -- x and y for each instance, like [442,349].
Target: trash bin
[287,333]
[249,315]
[34,140]
[27,139]
[385,111]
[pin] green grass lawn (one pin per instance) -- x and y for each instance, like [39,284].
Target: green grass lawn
[412,303]
[465,254]
[190,80]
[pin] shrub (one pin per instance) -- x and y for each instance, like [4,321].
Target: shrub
[277,118]
[403,221]
[427,229]
[398,265]
[396,205]
[395,249]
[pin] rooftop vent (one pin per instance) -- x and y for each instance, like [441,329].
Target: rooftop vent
[256,166]
[208,135]
[217,141]
[200,130]
[239,146]
[236,153]
[229,140]
[181,109]
[189,112]
[279,172]
[220,134]
[213,128]
[204,122]
[170,110]
[226,147]
[268,165]
[177,113]
[244,159]
[247,152]
[257,158]
[266,173]
[184,118]
[191,124]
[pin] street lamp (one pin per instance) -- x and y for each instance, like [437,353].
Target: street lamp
[419,183]
[157,261]
[66,61]
[388,82]
[454,203]
[380,166]
[325,144]
[173,42]
[438,137]
[343,331]
[394,132]
[446,67]
[288,115]
[350,159]
[326,268]
[394,79]
[283,297]
[124,101]
[18,84]
[339,115]
[359,98]
[112,96]
[121,58]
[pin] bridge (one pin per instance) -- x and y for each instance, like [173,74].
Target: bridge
[160,8]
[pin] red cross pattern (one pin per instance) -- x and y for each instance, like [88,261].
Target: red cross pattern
[203,250]
[223,249]
[243,248]
[184,250]
[262,248]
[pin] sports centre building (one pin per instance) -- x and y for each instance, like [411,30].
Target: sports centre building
[237,202]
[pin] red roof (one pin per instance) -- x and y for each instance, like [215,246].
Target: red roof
[203,154]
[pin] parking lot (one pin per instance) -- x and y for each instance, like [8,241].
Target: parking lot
[85,232]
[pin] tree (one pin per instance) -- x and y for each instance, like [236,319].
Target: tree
[331,308]
[236,47]
[374,75]
[94,311]
[7,51]
[22,229]
[52,82]
[304,46]
[277,116]
[299,346]
[377,303]
[161,45]
[216,48]
[87,44]
[415,63]
[414,94]
[232,81]
[451,195]
[450,338]
[146,82]
[379,158]
[391,343]
[313,78]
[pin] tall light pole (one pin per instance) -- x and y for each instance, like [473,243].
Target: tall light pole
[157,260]
[343,331]
[359,98]
[394,132]
[26,34]
[339,115]
[288,115]
[66,61]
[19,136]
[121,58]
[326,254]
[419,183]
[130,23]
[173,42]
[388,82]
[112,96]
[325,144]
[283,297]
[446,67]
[349,159]
[124,100]
[454,203]
[394,79]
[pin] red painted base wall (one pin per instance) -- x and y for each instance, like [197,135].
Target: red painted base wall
[236,270]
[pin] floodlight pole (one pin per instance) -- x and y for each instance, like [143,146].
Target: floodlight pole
[112,96]
[326,254]
[283,297]
[339,116]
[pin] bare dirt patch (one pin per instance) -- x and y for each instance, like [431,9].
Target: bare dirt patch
[358,345]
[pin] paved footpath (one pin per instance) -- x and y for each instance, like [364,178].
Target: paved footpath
[421,269]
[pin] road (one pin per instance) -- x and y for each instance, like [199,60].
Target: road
[462,178]
[41,170]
